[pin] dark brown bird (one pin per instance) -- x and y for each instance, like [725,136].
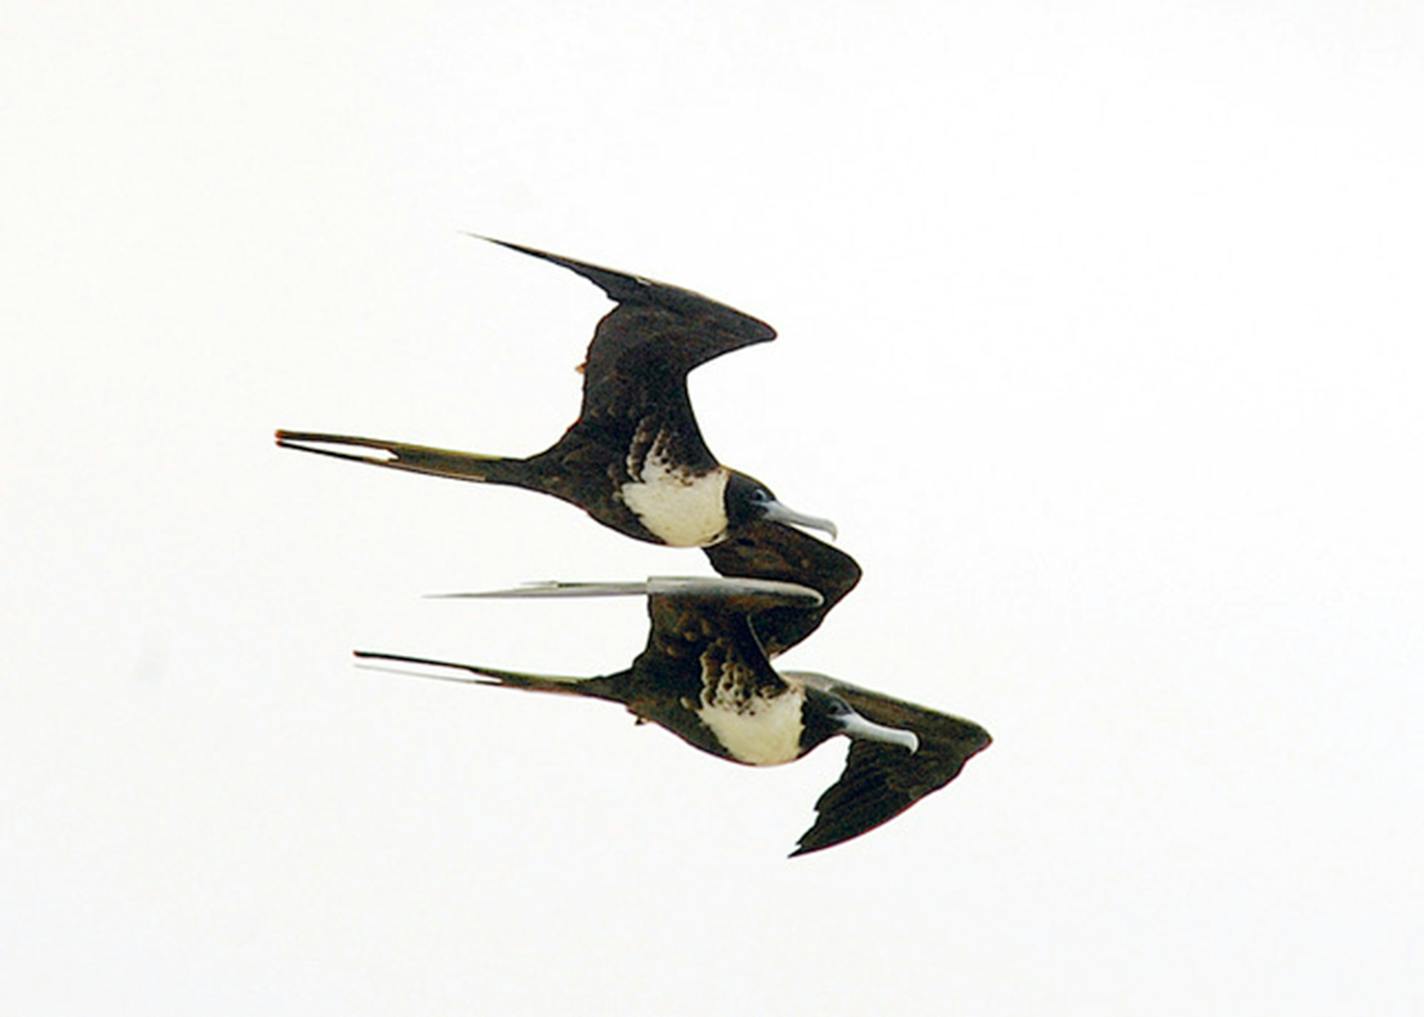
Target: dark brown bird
[706,677]
[635,458]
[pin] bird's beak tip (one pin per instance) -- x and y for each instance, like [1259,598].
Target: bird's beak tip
[779,513]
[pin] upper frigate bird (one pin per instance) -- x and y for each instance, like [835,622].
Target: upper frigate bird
[634,459]
[705,676]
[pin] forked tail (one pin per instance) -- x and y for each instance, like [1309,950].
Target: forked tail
[598,687]
[399,455]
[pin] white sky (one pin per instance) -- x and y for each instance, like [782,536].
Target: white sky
[1100,339]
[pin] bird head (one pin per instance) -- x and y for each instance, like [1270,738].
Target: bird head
[748,499]
[825,715]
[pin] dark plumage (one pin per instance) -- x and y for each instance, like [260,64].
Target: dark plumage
[879,782]
[767,550]
[705,676]
[635,458]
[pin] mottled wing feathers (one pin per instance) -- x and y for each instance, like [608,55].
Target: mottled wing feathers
[767,550]
[881,781]
[690,634]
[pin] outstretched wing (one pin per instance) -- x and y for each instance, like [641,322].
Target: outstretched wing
[767,550]
[692,618]
[881,781]
[745,595]
[641,351]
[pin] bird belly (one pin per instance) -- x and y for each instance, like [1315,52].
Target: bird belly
[757,730]
[679,507]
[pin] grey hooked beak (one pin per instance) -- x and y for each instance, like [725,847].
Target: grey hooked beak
[779,513]
[854,725]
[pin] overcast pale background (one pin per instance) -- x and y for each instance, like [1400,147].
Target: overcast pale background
[1100,339]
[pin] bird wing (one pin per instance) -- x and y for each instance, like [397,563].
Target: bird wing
[741,594]
[637,363]
[696,621]
[694,633]
[767,550]
[881,781]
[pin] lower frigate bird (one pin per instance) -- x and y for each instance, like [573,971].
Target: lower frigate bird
[635,459]
[705,676]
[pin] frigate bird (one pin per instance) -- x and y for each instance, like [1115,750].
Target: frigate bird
[634,459]
[705,677]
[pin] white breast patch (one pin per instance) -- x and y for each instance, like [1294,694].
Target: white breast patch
[680,508]
[765,732]
[755,729]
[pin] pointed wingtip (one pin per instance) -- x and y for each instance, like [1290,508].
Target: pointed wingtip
[624,287]
[801,849]
[482,595]
[485,237]
[550,588]
[534,252]
[557,259]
